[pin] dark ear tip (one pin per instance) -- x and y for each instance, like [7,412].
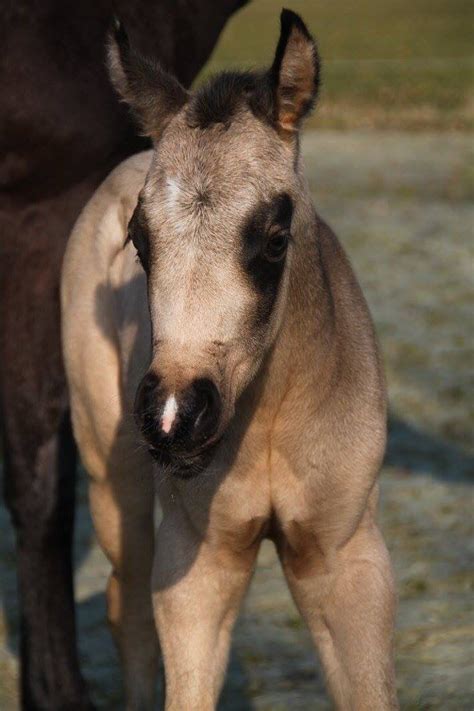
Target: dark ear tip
[288,15]
[119,33]
[290,19]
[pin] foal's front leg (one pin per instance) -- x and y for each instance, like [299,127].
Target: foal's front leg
[122,510]
[347,599]
[198,586]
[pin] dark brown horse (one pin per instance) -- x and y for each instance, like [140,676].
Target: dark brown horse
[61,131]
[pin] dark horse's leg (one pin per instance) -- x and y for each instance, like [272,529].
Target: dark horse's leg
[40,456]
[43,510]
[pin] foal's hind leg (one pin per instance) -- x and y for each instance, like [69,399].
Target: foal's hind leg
[347,600]
[122,509]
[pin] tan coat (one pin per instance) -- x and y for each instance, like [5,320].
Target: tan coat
[302,429]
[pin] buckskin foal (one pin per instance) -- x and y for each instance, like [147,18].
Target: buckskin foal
[229,330]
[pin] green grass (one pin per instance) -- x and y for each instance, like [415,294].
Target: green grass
[388,64]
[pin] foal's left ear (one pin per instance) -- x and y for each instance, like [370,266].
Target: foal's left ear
[153,94]
[294,73]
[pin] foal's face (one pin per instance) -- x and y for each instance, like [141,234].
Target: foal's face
[213,232]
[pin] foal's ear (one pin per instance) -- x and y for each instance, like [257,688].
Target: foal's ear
[294,73]
[153,94]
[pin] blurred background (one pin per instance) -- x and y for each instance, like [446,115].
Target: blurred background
[400,64]
[389,156]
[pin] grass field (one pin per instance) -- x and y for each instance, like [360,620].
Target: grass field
[405,64]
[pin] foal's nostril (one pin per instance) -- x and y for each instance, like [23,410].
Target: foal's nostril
[148,421]
[145,401]
[178,423]
[204,402]
[206,409]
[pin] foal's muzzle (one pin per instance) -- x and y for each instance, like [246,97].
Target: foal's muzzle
[179,427]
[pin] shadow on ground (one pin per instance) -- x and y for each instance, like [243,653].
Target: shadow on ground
[417,452]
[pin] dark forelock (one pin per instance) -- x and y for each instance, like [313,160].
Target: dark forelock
[222,96]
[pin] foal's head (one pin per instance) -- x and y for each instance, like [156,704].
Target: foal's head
[213,232]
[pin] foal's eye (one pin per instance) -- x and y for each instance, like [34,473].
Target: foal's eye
[140,243]
[276,246]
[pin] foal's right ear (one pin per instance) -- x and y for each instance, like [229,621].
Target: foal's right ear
[294,73]
[153,94]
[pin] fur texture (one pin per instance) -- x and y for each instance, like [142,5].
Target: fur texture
[242,289]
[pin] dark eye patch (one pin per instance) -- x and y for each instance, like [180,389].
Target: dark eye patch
[139,234]
[266,220]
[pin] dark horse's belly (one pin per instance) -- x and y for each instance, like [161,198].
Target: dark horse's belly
[61,131]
